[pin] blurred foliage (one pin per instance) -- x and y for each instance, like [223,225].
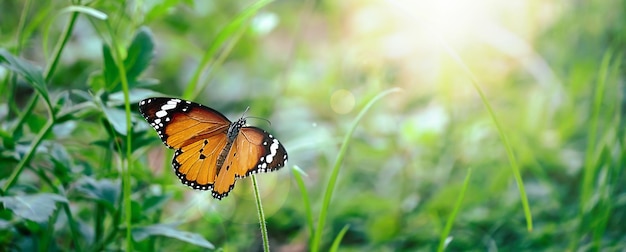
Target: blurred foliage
[552,71]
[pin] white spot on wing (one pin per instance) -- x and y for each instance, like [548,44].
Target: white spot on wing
[273,148]
[160,113]
[168,106]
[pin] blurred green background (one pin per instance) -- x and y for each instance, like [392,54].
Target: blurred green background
[435,165]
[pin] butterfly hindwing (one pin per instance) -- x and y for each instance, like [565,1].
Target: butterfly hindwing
[272,154]
[211,152]
[195,163]
[253,151]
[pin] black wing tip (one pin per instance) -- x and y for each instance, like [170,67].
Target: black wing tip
[149,100]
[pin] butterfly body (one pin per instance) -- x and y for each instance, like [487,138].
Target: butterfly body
[211,152]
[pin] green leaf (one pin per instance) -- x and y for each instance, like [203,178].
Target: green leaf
[5,224]
[155,202]
[86,10]
[110,72]
[96,81]
[22,67]
[140,53]
[37,207]
[135,96]
[116,117]
[106,191]
[141,233]
[74,111]
[159,9]
[62,161]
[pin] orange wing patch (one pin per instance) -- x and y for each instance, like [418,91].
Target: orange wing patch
[195,163]
[241,158]
[192,127]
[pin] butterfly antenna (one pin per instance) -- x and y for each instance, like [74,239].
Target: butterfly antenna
[245,111]
[260,118]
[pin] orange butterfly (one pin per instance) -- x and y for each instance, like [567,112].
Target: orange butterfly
[211,151]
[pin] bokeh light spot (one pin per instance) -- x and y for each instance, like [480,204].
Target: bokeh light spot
[342,101]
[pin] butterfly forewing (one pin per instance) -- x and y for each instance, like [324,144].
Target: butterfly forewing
[179,122]
[199,136]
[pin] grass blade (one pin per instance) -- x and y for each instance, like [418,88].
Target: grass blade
[335,171]
[446,231]
[595,198]
[590,164]
[503,137]
[305,198]
[337,240]
[509,150]
[234,27]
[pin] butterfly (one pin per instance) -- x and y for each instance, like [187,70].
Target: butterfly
[211,152]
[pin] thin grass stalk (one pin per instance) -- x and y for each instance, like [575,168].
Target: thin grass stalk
[19,38]
[24,160]
[27,111]
[590,161]
[218,42]
[503,137]
[305,200]
[457,206]
[20,27]
[605,188]
[65,36]
[127,160]
[48,126]
[509,150]
[218,62]
[335,171]
[259,207]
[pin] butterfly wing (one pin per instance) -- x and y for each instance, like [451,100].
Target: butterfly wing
[253,151]
[199,135]
[196,132]
[180,123]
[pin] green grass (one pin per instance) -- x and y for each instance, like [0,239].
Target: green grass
[531,99]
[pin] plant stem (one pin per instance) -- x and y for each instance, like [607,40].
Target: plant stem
[33,148]
[335,171]
[47,76]
[259,207]
[59,47]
